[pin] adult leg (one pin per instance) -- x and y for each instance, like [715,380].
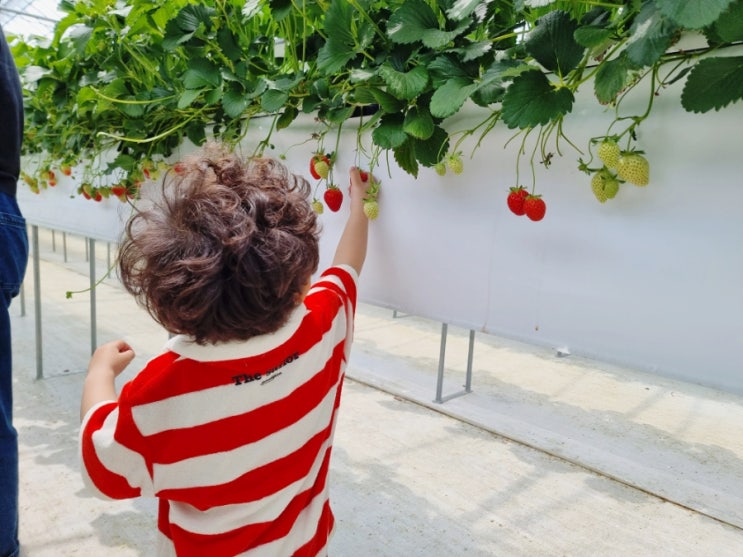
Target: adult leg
[13,260]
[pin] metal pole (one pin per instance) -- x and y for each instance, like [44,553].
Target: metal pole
[442,356]
[93,326]
[64,245]
[470,353]
[37,301]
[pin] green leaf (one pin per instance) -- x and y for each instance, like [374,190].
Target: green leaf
[462,9]
[375,95]
[431,150]
[713,83]
[438,38]
[531,101]
[405,158]
[475,50]
[552,44]
[333,57]
[235,102]
[651,35]
[188,97]
[611,77]
[405,85]
[418,123]
[201,73]
[273,100]
[729,26]
[389,132]
[340,46]
[591,36]
[287,117]
[449,98]
[339,115]
[410,21]
[692,14]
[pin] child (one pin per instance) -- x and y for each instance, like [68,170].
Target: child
[232,426]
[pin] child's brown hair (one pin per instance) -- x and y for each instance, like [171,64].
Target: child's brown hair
[226,251]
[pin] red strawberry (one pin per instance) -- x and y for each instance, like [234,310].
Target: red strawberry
[333,198]
[364,175]
[534,207]
[516,198]
[66,169]
[319,166]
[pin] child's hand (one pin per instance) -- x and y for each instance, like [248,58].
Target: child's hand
[114,355]
[358,187]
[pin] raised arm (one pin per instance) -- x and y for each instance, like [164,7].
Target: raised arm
[351,248]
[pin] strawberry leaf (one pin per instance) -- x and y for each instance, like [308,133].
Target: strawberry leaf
[713,83]
[729,26]
[611,78]
[340,46]
[552,44]
[201,73]
[429,151]
[449,98]
[406,85]
[418,122]
[462,9]
[531,100]
[591,36]
[273,99]
[389,133]
[651,35]
[405,158]
[410,22]
[693,14]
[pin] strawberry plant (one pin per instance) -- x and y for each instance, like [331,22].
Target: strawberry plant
[133,81]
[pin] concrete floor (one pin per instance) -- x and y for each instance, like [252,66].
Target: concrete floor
[547,456]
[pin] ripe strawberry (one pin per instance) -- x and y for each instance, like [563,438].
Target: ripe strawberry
[454,162]
[333,198]
[515,199]
[317,206]
[604,185]
[52,182]
[319,166]
[87,190]
[609,153]
[364,175]
[534,207]
[66,169]
[634,168]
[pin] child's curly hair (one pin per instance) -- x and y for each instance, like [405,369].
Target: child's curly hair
[225,253]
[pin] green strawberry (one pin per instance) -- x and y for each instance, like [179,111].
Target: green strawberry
[604,185]
[440,168]
[634,168]
[454,162]
[371,209]
[317,206]
[609,153]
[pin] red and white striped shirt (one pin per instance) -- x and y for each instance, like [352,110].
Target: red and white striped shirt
[234,439]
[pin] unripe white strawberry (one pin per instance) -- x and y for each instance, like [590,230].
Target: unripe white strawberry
[609,153]
[604,185]
[454,162]
[371,209]
[634,168]
[317,206]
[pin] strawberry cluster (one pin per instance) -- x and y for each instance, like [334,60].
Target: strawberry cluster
[521,202]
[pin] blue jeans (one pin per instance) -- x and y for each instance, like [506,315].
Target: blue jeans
[13,260]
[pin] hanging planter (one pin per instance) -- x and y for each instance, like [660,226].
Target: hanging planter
[139,79]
